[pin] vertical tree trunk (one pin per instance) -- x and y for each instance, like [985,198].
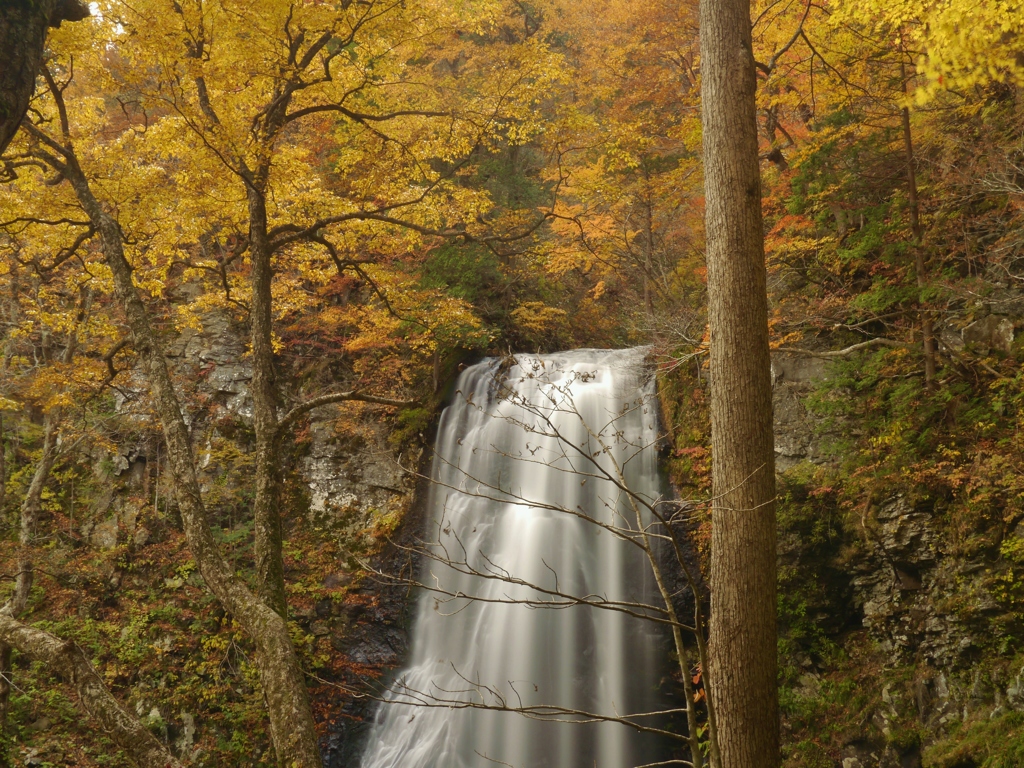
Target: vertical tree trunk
[268,545]
[743,663]
[927,336]
[31,506]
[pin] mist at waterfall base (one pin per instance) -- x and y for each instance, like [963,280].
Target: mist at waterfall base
[503,529]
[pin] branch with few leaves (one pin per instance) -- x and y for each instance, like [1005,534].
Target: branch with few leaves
[289,419]
[773,62]
[837,353]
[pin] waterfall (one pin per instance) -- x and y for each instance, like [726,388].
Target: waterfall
[524,455]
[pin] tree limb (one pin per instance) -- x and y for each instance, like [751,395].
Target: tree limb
[337,397]
[833,354]
[770,66]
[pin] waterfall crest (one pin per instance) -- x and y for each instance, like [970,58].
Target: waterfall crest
[531,461]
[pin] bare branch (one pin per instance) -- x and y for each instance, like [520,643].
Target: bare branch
[337,397]
[831,355]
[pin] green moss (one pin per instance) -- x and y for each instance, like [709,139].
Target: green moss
[981,743]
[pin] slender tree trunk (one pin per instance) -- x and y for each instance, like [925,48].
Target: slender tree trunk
[31,508]
[648,248]
[742,644]
[291,719]
[268,543]
[927,335]
[3,463]
[23,25]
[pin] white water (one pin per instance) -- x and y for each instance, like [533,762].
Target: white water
[530,653]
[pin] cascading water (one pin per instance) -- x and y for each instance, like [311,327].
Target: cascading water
[529,520]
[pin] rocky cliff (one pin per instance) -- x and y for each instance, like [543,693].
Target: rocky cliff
[900,613]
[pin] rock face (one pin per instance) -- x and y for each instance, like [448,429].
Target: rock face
[215,355]
[899,578]
[353,477]
[796,436]
[897,569]
[993,332]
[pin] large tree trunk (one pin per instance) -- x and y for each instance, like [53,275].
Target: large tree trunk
[291,718]
[23,25]
[67,660]
[743,663]
[267,525]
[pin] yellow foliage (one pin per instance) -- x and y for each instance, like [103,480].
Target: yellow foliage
[538,319]
[957,44]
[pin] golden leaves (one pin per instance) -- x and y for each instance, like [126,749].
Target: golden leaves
[537,318]
[957,44]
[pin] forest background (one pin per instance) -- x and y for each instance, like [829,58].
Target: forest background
[355,199]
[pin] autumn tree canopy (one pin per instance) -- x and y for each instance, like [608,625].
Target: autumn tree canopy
[349,200]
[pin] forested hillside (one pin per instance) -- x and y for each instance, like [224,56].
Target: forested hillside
[245,248]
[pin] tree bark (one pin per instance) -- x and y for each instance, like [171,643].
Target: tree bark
[920,273]
[23,25]
[742,644]
[66,659]
[3,463]
[291,719]
[267,525]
